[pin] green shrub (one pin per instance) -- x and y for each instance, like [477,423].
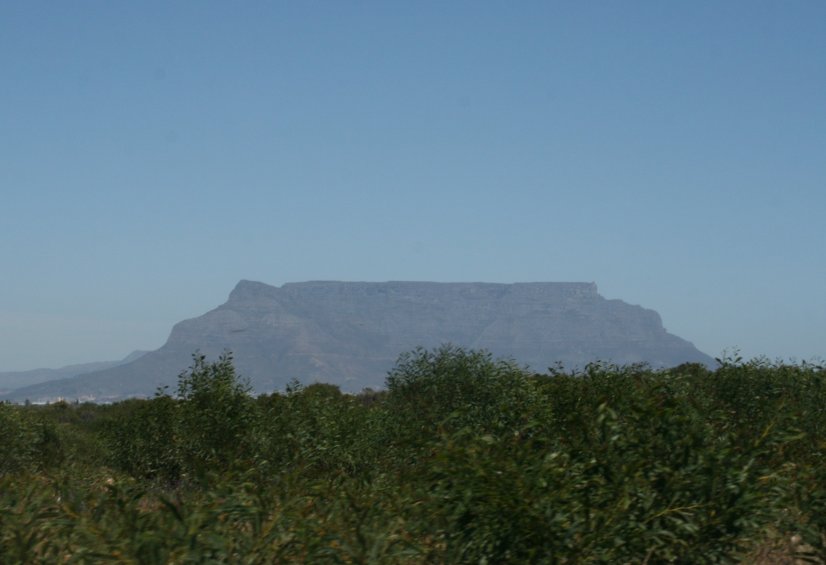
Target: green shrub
[144,439]
[18,438]
[450,388]
[27,441]
[464,459]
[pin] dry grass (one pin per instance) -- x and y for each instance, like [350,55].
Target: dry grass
[784,551]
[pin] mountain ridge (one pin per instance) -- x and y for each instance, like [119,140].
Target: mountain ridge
[11,380]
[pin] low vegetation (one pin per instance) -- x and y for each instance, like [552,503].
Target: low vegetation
[462,459]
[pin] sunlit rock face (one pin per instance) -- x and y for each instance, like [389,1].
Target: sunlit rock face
[351,333]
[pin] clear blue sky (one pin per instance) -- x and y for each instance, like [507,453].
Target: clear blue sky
[154,153]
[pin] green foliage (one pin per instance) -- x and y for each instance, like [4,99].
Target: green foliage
[316,429]
[18,437]
[143,439]
[215,416]
[26,441]
[207,429]
[450,389]
[464,459]
[653,481]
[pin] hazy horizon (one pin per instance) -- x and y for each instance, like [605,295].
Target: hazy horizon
[155,154]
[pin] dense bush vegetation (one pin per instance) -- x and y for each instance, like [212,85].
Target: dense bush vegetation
[462,459]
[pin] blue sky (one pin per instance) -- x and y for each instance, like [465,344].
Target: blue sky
[152,154]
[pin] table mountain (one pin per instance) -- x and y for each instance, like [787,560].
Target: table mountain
[351,333]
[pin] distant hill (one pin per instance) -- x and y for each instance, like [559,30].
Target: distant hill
[16,379]
[351,333]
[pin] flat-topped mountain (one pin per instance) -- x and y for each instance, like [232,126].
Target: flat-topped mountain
[351,333]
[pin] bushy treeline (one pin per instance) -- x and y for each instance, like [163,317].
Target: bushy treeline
[462,459]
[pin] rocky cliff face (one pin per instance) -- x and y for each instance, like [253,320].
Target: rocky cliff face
[350,334]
